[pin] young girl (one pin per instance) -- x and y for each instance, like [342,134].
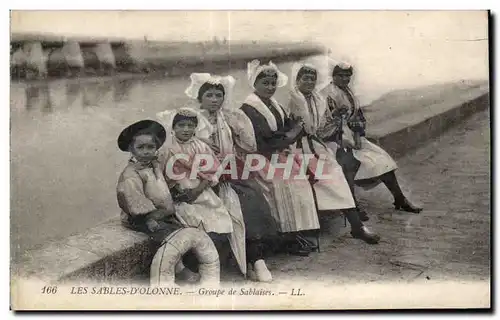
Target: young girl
[196,203]
[241,197]
[142,191]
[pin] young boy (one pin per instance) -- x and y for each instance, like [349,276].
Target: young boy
[142,191]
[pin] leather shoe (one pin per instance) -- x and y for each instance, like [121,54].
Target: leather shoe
[406,205]
[366,235]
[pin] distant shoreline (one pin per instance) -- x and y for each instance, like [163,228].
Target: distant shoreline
[151,59]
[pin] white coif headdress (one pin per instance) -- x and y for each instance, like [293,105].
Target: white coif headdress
[299,65]
[198,79]
[203,130]
[325,75]
[254,68]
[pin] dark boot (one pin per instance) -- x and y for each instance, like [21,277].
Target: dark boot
[400,201]
[405,205]
[366,235]
[358,230]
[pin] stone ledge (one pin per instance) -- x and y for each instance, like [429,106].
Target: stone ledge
[408,131]
[109,252]
[99,253]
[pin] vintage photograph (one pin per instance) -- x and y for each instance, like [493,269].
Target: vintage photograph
[250,160]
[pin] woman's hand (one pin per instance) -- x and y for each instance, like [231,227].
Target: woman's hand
[340,112]
[348,143]
[296,129]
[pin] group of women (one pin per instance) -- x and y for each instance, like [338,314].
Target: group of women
[241,214]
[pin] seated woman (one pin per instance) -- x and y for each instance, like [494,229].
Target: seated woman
[195,202]
[142,192]
[376,165]
[333,193]
[244,197]
[273,132]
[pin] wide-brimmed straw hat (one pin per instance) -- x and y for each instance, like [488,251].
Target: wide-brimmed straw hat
[143,126]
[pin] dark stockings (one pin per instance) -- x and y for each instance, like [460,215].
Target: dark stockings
[391,182]
[350,166]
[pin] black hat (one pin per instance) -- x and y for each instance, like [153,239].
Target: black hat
[144,126]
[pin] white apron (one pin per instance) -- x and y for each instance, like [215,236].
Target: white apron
[292,202]
[207,212]
[220,136]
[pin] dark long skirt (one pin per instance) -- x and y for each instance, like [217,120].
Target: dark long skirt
[259,222]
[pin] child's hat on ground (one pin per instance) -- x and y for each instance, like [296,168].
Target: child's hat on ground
[143,126]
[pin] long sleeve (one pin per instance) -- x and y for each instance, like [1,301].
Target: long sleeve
[131,197]
[241,130]
[267,140]
[295,111]
[329,128]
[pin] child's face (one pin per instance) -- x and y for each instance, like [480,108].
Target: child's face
[144,148]
[184,130]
